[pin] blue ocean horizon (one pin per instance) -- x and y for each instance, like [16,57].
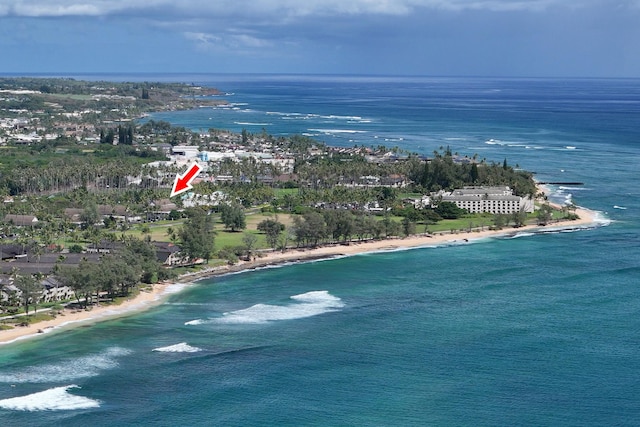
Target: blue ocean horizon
[521,330]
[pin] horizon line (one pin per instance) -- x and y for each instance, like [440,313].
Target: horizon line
[275,74]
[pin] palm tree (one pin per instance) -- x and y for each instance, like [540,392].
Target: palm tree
[31,291]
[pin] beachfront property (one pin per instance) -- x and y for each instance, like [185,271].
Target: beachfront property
[169,254]
[51,290]
[494,200]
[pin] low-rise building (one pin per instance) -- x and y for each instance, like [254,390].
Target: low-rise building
[168,253]
[21,220]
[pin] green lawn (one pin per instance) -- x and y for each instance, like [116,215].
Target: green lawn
[460,224]
[75,97]
[224,238]
[279,192]
[158,230]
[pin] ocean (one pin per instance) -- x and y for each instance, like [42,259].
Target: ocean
[531,329]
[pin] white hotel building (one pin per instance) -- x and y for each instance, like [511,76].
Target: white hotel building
[495,200]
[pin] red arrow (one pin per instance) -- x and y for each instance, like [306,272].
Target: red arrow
[183,183]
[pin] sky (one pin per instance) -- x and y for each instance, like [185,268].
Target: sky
[519,38]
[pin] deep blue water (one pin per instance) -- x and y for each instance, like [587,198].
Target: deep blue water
[534,330]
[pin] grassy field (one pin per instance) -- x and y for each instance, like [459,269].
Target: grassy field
[460,224]
[158,231]
[75,97]
[279,192]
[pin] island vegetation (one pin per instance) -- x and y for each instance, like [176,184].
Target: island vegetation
[85,177]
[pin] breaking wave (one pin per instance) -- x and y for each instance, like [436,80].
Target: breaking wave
[253,124]
[183,347]
[337,131]
[67,370]
[306,305]
[54,399]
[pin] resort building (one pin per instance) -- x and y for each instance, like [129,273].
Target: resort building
[495,200]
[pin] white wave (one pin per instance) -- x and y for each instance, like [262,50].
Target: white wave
[306,305]
[186,303]
[195,322]
[519,235]
[174,288]
[570,147]
[619,207]
[278,113]
[342,117]
[601,219]
[54,399]
[252,124]
[357,119]
[232,105]
[317,297]
[332,131]
[68,370]
[295,118]
[573,188]
[493,142]
[183,347]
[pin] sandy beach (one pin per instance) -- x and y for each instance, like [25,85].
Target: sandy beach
[159,292]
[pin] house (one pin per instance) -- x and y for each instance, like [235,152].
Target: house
[418,203]
[161,209]
[162,147]
[11,252]
[29,263]
[21,220]
[7,288]
[74,215]
[104,247]
[394,180]
[117,211]
[54,290]
[168,253]
[187,151]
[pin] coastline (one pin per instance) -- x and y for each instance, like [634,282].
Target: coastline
[159,292]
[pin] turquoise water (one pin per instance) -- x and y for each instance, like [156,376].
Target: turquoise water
[527,330]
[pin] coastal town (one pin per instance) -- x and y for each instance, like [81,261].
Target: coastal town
[86,174]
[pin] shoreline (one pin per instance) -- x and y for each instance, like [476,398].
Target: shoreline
[159,292]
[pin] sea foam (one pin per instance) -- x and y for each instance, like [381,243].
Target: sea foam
[183,347]
[337,131]
[306,305]
[54,399]
[67,370]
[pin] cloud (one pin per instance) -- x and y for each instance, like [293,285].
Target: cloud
[57,8]
[225,41]
[278,9]
[490,37]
